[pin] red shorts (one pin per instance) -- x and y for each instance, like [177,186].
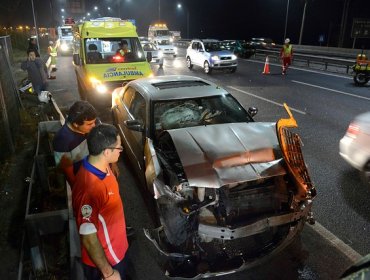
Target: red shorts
[287,60]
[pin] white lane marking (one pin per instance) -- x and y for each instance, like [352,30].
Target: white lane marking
[267,100]
[333,90]
[336,242]
[302,69]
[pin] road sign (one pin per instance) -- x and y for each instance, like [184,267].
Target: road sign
[360,28]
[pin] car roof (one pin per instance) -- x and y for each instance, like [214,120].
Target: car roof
[206,40]
[176,87]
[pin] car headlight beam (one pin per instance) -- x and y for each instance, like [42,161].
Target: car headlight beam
[215,57]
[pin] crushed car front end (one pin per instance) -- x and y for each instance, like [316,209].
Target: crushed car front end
[228,196]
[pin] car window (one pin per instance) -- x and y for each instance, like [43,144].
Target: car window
[137,107]
[173,114]
[128,96]
[212,46]
[194,46]
[108,47]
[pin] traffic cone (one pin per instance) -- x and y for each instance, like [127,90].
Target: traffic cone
[266,68]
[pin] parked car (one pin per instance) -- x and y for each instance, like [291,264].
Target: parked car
[239,47]
[262,43]
[210,54]
[354,147]
[152,53]
[228,191]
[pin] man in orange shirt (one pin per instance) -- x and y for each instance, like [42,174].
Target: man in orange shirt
[98,207]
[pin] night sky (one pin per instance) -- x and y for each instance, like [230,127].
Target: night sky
[219,19]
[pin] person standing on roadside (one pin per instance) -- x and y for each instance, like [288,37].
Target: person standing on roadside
[98,208]
[52,51]
[35,68]
[69,142]
[286,54]
[32,46]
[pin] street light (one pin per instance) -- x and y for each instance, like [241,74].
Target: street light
[95,8]
[180,7]
[62,10]
[286,20]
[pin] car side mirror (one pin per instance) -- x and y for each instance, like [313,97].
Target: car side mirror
[252,111]
[134,125]
[76,59]
[149,56]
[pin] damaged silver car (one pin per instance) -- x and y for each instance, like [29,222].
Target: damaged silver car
[229,191]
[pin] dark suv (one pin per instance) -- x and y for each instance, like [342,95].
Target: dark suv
[262,43]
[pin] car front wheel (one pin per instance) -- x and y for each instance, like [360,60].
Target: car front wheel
[188,63]
[207,68]
[366,173]
[232,69]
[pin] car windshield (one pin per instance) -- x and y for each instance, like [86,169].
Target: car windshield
[107,50]
[163,42]
[160,33]
[147,47]
[180,113]
[213,46]
[66,32]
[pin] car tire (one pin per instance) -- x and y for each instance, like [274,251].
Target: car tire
[161,65]
[80,90]
[360,79]
[188,63]
[365,174]
[174,55]
[207,69]
[233,69]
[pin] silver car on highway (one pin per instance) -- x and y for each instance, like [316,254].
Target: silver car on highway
[354,147]
[152,53]
[228,191]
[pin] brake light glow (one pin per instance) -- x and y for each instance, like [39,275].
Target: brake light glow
[118,58]
[353,130]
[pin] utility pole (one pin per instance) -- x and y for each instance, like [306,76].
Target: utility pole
[302,25]
[34,22]
[343,23]
[159,10]
[286,20]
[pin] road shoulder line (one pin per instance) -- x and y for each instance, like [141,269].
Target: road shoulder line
[267,100]
[336,242]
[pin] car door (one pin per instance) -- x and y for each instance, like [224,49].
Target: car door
[132,107]
[198,53]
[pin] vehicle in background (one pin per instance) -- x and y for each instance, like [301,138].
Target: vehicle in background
[158,30]
[354,147]
[176,35]
[160,35]
[261,43]
[65,37]
[361,70]
[152,53]
[239,47]
[166,46]
[99,66]
[210,54]
[229,192]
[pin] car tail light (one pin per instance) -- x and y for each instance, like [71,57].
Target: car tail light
[353,130]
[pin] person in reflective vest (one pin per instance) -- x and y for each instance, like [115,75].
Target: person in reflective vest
[52,51]
[123,48]
[286,54]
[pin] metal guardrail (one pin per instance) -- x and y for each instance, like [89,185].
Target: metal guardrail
[308,59]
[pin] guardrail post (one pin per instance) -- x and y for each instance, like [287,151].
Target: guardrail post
[326,66]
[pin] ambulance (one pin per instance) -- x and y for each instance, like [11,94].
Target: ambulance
[99,65]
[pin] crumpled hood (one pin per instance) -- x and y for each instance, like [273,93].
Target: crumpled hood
[216,155]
